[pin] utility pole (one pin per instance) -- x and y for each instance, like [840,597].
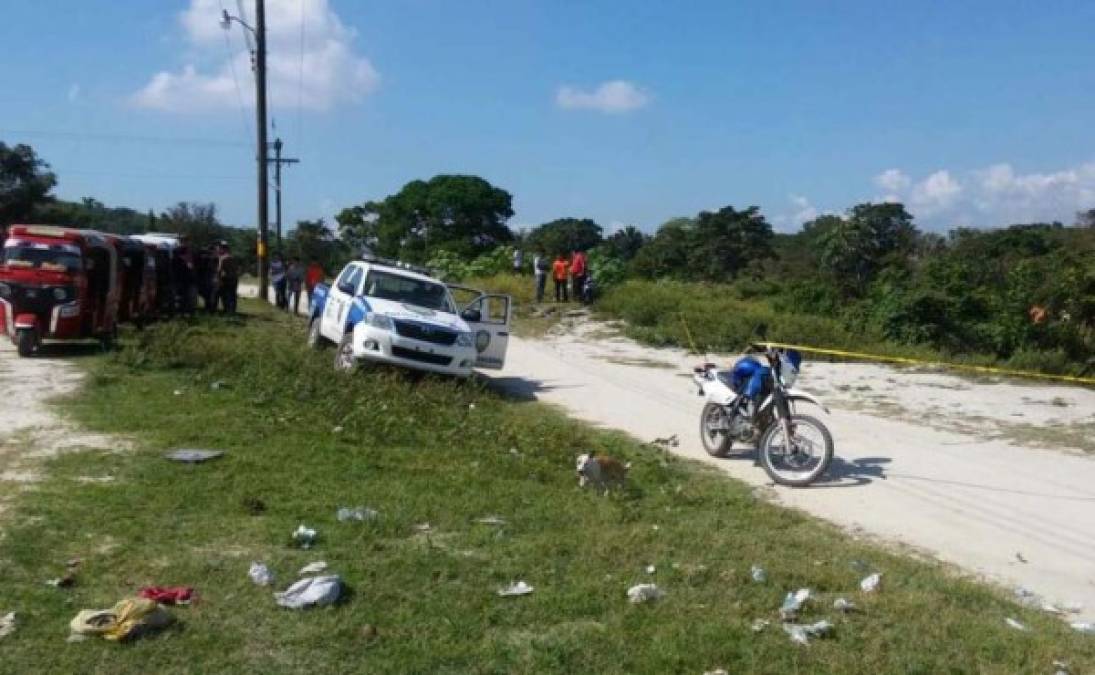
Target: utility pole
[278,161]
[260,123]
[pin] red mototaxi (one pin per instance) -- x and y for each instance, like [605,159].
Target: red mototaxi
[57,283]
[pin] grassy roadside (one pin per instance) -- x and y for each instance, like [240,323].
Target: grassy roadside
[305,442]
[715,319]
[531,319]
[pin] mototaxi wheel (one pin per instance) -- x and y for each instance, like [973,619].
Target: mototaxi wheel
[804,460]
[25,341]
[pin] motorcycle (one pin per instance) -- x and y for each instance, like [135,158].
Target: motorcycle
[754,402]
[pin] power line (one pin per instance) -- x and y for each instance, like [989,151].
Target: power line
[152,176]
[122,138]
[300,82]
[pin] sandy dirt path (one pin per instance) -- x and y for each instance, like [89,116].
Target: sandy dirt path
[30,427]
[954,467]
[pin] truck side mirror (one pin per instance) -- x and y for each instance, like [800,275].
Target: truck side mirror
[346,288]
[472,315]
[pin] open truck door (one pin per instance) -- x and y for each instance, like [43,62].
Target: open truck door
[488,316]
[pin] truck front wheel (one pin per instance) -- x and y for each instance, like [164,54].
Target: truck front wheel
[25,340]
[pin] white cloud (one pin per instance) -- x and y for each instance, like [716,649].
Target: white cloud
[935,193]
[73,93]
[613,97]
[995,195]
[333,72]
[805,211]
[892,180]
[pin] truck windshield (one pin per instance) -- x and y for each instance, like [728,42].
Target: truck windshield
[411,291]
[53,257]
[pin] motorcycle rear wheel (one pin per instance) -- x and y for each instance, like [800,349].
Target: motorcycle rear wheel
[715,430]
[811,451]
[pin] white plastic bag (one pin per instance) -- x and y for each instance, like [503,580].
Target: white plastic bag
[311,591]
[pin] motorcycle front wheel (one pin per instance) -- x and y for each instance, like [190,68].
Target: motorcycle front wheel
[715,430]
[802,461]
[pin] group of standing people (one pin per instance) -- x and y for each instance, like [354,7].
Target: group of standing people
[212,274]
[289,281]
[563,270]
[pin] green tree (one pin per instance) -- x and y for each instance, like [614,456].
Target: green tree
[665,255]
[462,214]
[872,236]
[624,244]
[564,235]
[25,181]
[312,240]
[195,220]
[727,242]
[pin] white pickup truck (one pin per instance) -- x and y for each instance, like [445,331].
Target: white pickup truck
[389,312]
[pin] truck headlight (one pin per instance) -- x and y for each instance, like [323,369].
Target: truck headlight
[464,340]
[381,321]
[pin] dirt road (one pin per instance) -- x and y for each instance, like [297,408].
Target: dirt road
[994,477]
[30,428]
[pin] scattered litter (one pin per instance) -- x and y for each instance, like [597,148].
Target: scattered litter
[760,624]
[471,406]
[491,520]
[650,569]
[75,637]
[7,624]
[73,562]
[758,574]
[644,593]
[1060,668]
[360,513]
[130,618]
[1025,596]
[515,589]
[261,574]
[1020,558]
[801,634]
[219,384]
[66,581]
[168,595]
[843,605]
[871,583]
[313,568]
[337,430]
[1051,608]
[178,392]
[655,528]
[423,527]
[317,591]
[193,456]
[513,451]
[1084,627]
[1012,623]
[304,536]
[793,603]
[717,671]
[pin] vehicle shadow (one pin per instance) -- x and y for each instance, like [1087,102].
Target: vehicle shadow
[841,474]
[520,388]
[854,473]
[67,350]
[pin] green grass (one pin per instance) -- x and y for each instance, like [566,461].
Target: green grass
[531,319]
[444,452]
[714,318]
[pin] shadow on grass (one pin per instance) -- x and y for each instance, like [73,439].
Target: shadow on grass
[520,388]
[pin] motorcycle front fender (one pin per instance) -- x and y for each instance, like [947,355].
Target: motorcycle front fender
[26,321]
[796,395]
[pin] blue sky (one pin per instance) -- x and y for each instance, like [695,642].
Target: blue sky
[976,113]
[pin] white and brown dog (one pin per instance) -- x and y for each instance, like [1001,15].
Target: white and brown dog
[602,472]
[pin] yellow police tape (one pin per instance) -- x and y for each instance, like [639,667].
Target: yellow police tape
[920,362]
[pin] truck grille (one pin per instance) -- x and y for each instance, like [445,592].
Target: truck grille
[412,355]
[425,333]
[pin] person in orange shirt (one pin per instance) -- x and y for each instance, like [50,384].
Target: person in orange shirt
[578,273]
[559,273]
[312,276]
